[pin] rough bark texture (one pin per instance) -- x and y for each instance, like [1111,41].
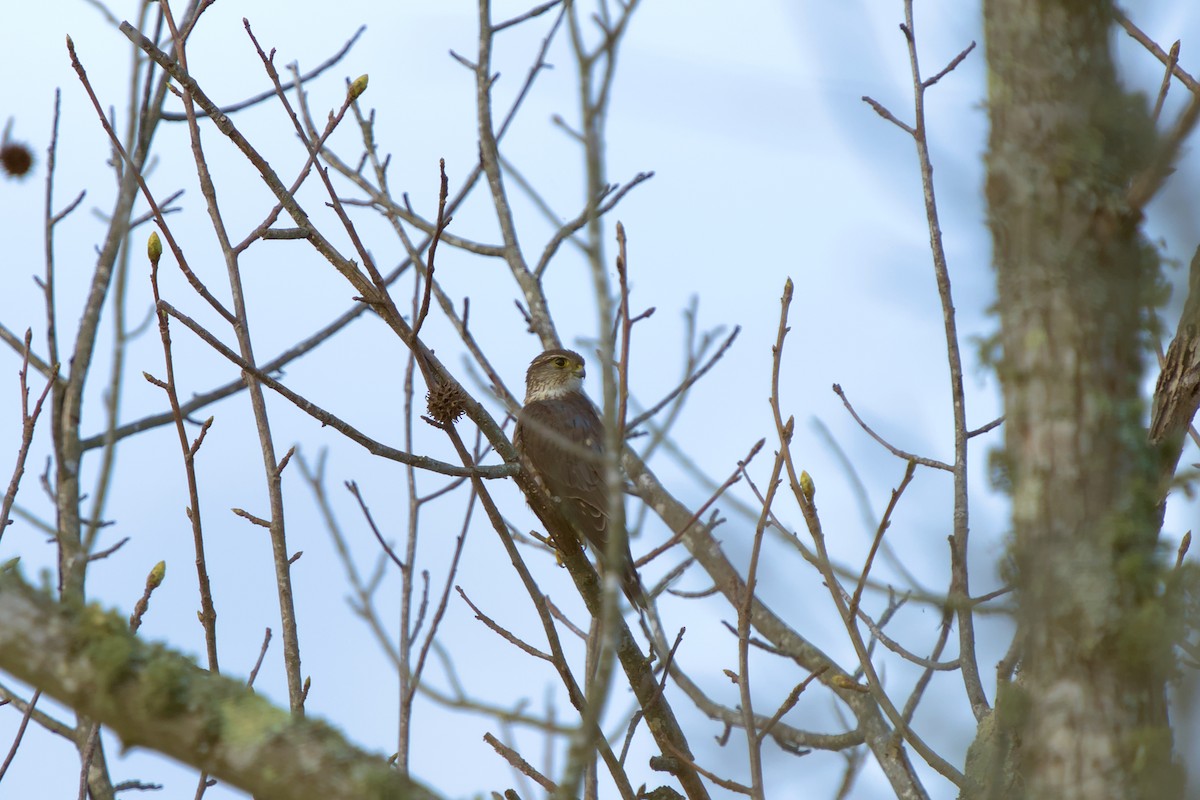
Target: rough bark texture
[149,696]
[1086,717]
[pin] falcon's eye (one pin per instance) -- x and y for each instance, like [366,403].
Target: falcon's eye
[560,362]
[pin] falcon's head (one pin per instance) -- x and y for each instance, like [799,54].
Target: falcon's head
[553,374]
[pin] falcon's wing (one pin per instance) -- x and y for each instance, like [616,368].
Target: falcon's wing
[553,436]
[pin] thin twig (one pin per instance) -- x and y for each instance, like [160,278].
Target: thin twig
[16,743]
[352,487]
[1145,41]
[687,382]
[790,701]
[520,764]
[326,418]
[442,221]
[884,523]
[754,738]
[733,478]
[208,612]
[888,115]
[910,706]
[724,783]
[1145,186]
[1172,62]
[28,421]
[43,719]
[134,169]
[925,462]
[536,11]
[443,602]
[954,62]
[899,649]
[262,653]
[804,499]
[997,422]
[249,102]
[503,632]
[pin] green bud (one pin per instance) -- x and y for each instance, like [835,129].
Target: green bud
[155,578]
[154,248]
[358,87]
[807,486]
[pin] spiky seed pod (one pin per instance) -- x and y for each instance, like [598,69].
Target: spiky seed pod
[445,402]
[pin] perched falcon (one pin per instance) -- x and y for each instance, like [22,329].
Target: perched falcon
[555,431]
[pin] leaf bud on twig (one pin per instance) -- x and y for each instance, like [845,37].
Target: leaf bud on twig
[807,486]
[154,247]
[155,578]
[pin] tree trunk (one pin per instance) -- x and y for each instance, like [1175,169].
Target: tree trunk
[1086,716]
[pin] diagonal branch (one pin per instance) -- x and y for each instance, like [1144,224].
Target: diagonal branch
[153,697]
[325,418]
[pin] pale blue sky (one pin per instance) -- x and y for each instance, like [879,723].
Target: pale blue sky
[768,165]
